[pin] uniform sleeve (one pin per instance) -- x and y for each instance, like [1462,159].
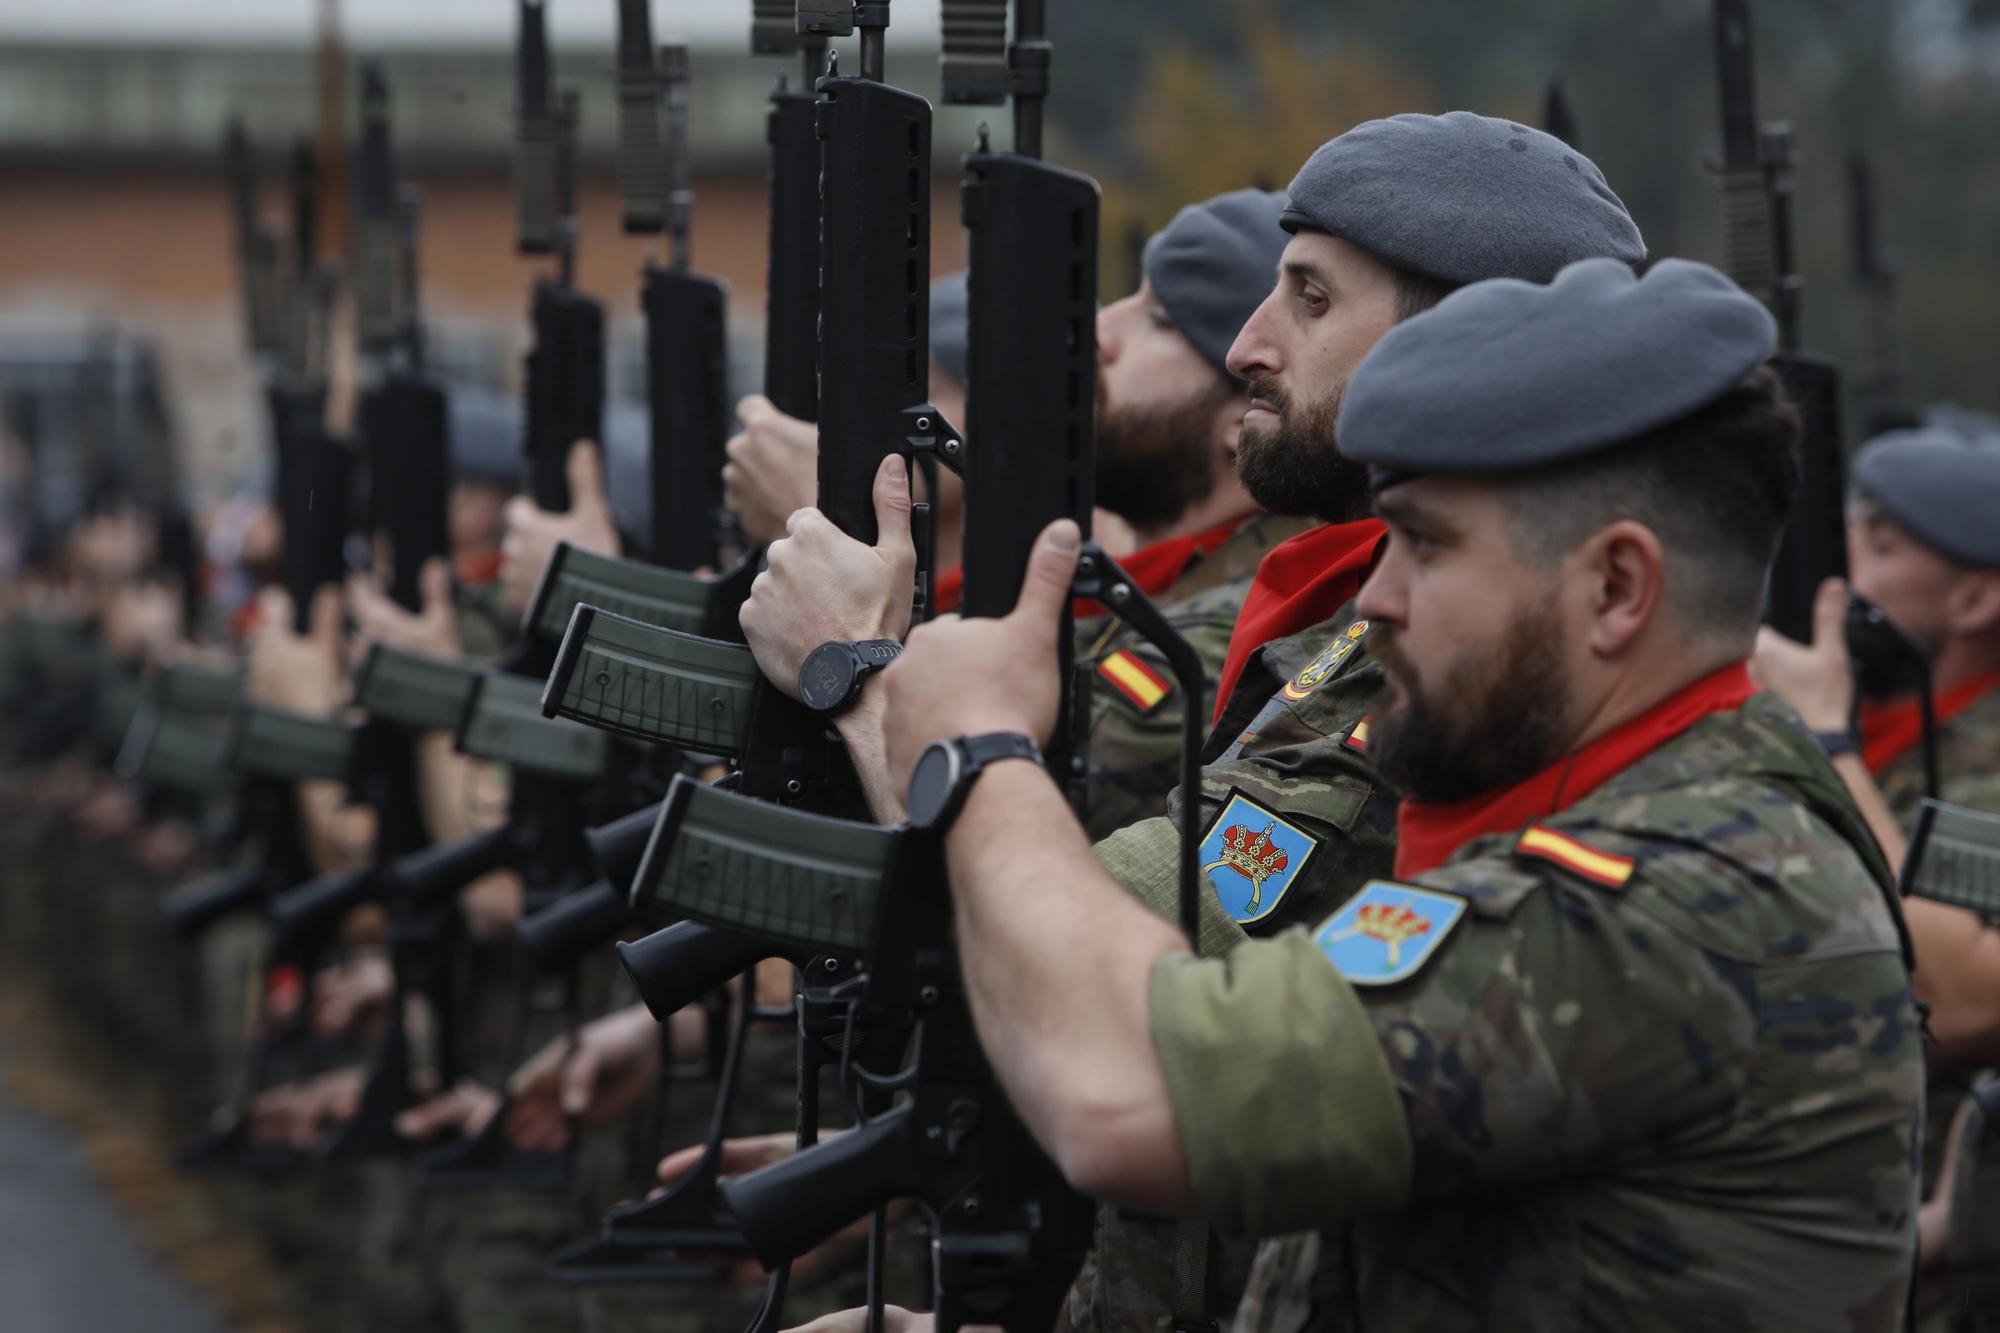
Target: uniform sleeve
[1145,858]
[1286,1107]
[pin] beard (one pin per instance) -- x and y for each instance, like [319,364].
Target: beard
[1295,468]
[1155,462]
[1494,719]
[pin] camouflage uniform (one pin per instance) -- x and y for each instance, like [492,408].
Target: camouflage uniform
[1968,764]
[1135,738]
[1285,741]
[1669,1077]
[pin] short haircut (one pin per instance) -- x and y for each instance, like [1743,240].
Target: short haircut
[1417,292]
[1715,486]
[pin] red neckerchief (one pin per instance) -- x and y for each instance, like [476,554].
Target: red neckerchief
[1154,568]
[480,567]
[1303,581]
[1889,730]
[1427,835]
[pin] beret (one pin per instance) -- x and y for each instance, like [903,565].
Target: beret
[1939,485]
[948,325]
[1504,376]
[485,436]
[1214,264]
[627,452]
[1461,198]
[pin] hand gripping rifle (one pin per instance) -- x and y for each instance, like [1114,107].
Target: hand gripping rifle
[1756,176]
[1010,1231]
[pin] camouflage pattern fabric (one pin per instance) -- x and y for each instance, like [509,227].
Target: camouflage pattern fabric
[1283,740]
[1135,746]
[1968,765]
[1681,1094]
[1973,1254]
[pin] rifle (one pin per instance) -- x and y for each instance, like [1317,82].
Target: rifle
[256,244]
[1557,118]
[1756,176]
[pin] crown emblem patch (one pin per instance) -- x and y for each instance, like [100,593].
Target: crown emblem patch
[1251,857]
[1387,931]
[1326,663]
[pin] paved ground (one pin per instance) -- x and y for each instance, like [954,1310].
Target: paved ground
[69,1263]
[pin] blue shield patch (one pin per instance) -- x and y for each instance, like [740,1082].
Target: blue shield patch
[1251,857]
[1387,931]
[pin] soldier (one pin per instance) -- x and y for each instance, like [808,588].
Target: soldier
[1384,220]
[1627,1041]
[1923,548]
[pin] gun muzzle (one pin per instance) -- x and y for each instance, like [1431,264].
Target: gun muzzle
[436,872]
[191,910]
[790,1206]
[556,935]
[619,846]
[316,907]
[673,968]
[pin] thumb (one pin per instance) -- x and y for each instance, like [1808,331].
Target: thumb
[1830,613]
[420,1122]
[892,506]
[586,475]
[752,405]
[434,586]
[579,1081]
[1051,569]
[326,612]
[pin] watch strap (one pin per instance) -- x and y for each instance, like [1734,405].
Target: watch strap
[996,745]
[1837,743]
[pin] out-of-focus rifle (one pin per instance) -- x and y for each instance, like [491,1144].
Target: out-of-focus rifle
[257,245]
[1557,118]
[1880,388]
[1756,175]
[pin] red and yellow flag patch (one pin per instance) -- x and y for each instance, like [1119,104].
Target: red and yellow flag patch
[1576,857]
[1130,676]
[1357,739]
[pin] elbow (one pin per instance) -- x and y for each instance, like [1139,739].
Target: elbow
[1120,1153]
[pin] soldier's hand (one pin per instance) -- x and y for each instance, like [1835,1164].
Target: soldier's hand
[379,618]
[297,673]
[820,584]
[532,532]
[964,677]
[1815,678]
[589,1079]
[895,1319]
[353,996]
[773,469]
[463,1110]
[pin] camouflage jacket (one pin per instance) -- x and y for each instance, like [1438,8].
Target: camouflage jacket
[1136,707]
[1968,764]
[1651,1063]
[1284,747]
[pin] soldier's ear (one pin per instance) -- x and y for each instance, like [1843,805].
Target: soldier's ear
[1623,572]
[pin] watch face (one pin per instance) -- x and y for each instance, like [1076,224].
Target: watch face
[933,783]
[826,677]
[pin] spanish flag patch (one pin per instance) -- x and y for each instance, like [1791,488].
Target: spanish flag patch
[1142,686]
[1357,739]
[1575,857]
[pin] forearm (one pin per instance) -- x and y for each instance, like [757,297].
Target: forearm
[337,835]
[1958,977]
[861,730]
[1874,809]
[1057,961]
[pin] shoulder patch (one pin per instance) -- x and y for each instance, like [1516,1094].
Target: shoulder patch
[1326,663]
[1357,739]
[1387,931]
[1252,857]
[1578,858]
[1133,678]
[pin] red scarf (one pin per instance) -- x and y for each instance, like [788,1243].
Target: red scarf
[478,568]
[1302,582]
[1889,730]
[1154,568]
[1427,835]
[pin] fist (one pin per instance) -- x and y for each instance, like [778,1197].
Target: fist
[773,469]
[532,533]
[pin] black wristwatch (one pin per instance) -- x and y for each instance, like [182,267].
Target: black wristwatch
[831,676]
[1837,743]
[946,769]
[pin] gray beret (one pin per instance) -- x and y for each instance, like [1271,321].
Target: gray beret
[948,325]
[1461,198]
[485,437]
[1503,376]
[1940,486]
[628,467]
[1214,264]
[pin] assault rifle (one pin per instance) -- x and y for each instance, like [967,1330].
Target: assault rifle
[1756,175]
[1880,391]
[1557,118]
[256,244]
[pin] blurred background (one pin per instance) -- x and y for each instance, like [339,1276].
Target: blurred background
[117,267]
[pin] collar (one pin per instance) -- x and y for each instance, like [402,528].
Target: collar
[1428,835]
[1888,731]
[1302,582]
[478,568]
[1154,568]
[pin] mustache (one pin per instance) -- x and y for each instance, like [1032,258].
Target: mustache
[1264,389]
